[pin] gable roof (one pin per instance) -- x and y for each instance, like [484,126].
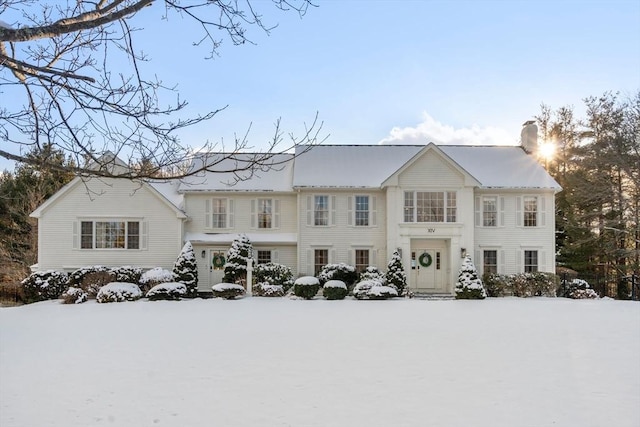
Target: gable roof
[275,175]
[369,166]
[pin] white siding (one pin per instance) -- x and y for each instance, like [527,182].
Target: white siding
[108,199]
[430,170]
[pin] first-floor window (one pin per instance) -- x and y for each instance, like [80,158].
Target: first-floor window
[530,261]
[264,257]
[110,235]
[320,259]
[490,261]
[362,260]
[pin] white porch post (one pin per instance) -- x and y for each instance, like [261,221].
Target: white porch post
[249,277]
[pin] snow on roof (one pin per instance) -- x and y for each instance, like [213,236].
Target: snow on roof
[500,166]
[350,166]
[368,166]
[227,238]
[169,190]
[275,175]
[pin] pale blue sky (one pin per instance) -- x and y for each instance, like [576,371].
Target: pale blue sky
[442,71]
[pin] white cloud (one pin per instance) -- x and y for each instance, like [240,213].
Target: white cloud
[431,130]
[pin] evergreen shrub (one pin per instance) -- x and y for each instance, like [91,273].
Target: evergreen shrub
[153,277]
[185,270]
[274,274]
[373,290]
[306,287]
[266,289]
[91,279]
[43,285]
[335,289]
[74,295]
[238,255]
[170,291]
[227,290]
[343,272]
[127,274]
[372,273]
[395,274]
[469,285]
[118,292]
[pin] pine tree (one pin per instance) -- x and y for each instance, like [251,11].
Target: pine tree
[235,269]
[185,270]
[395,273]
[469,285]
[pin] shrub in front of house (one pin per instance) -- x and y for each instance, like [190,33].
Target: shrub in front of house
[127,274]
[238,255]
[43,285]
[153,277]
[170,291]
[373,290]
[185,270]
[74,295]
[497,285]
[469,285]
[306,287]
[533,284]
[227,290]
[274,274]
[395,273]
[334,289]
[372,273]
[118,292]
[266,289]
[91,279]
[343,272]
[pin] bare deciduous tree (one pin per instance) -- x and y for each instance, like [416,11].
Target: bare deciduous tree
[59,87]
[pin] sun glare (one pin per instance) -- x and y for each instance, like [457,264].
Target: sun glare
[547,150]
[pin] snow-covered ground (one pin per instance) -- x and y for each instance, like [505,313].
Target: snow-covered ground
[280,362]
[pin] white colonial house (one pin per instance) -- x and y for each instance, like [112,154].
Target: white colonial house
[332,203]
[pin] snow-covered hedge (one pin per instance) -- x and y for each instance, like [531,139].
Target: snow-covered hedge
[227,290]
[265,289]
[171,291]
[118,292]
[521,284]
[44,285]
[306,287]
[344,272]
[577,289]
[373,289]
[91,279]
[372,273]
[334,289]
[127,274]
[274,274]
[469,285]
[74,295]
[153,277]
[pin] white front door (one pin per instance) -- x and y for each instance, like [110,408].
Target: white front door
[428,269]
[217,259]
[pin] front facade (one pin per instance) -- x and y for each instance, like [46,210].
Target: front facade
[329,204]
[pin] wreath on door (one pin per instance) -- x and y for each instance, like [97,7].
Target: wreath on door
[218,261]
[425,260]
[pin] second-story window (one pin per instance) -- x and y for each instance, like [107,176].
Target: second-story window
[362,210]
[530,211]
[430,206]
[321,210]
[219,213]
[490,211]
[265,213]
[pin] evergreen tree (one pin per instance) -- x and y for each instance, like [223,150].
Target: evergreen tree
[235,269]
[469,285]
[395,273]
[185,270]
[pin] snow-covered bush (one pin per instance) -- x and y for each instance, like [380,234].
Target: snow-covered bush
[185,270]
[74,295]
[227,290]
[153,277]
[577,289]
[372,273]
[497,285]
[91,279]
[306,287]
[334,289]
[395,273]
[127,274]
[274,274]
[118,292]
[43,285]
[171,291]
[343,272]
[469,285]
[533,284]
[373,289]
[238,255]
[266,289]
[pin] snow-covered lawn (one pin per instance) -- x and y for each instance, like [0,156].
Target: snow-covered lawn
[280,362]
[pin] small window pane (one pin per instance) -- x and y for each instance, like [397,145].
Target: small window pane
[133,235]
[408,206]
[264,257]
[86,235]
